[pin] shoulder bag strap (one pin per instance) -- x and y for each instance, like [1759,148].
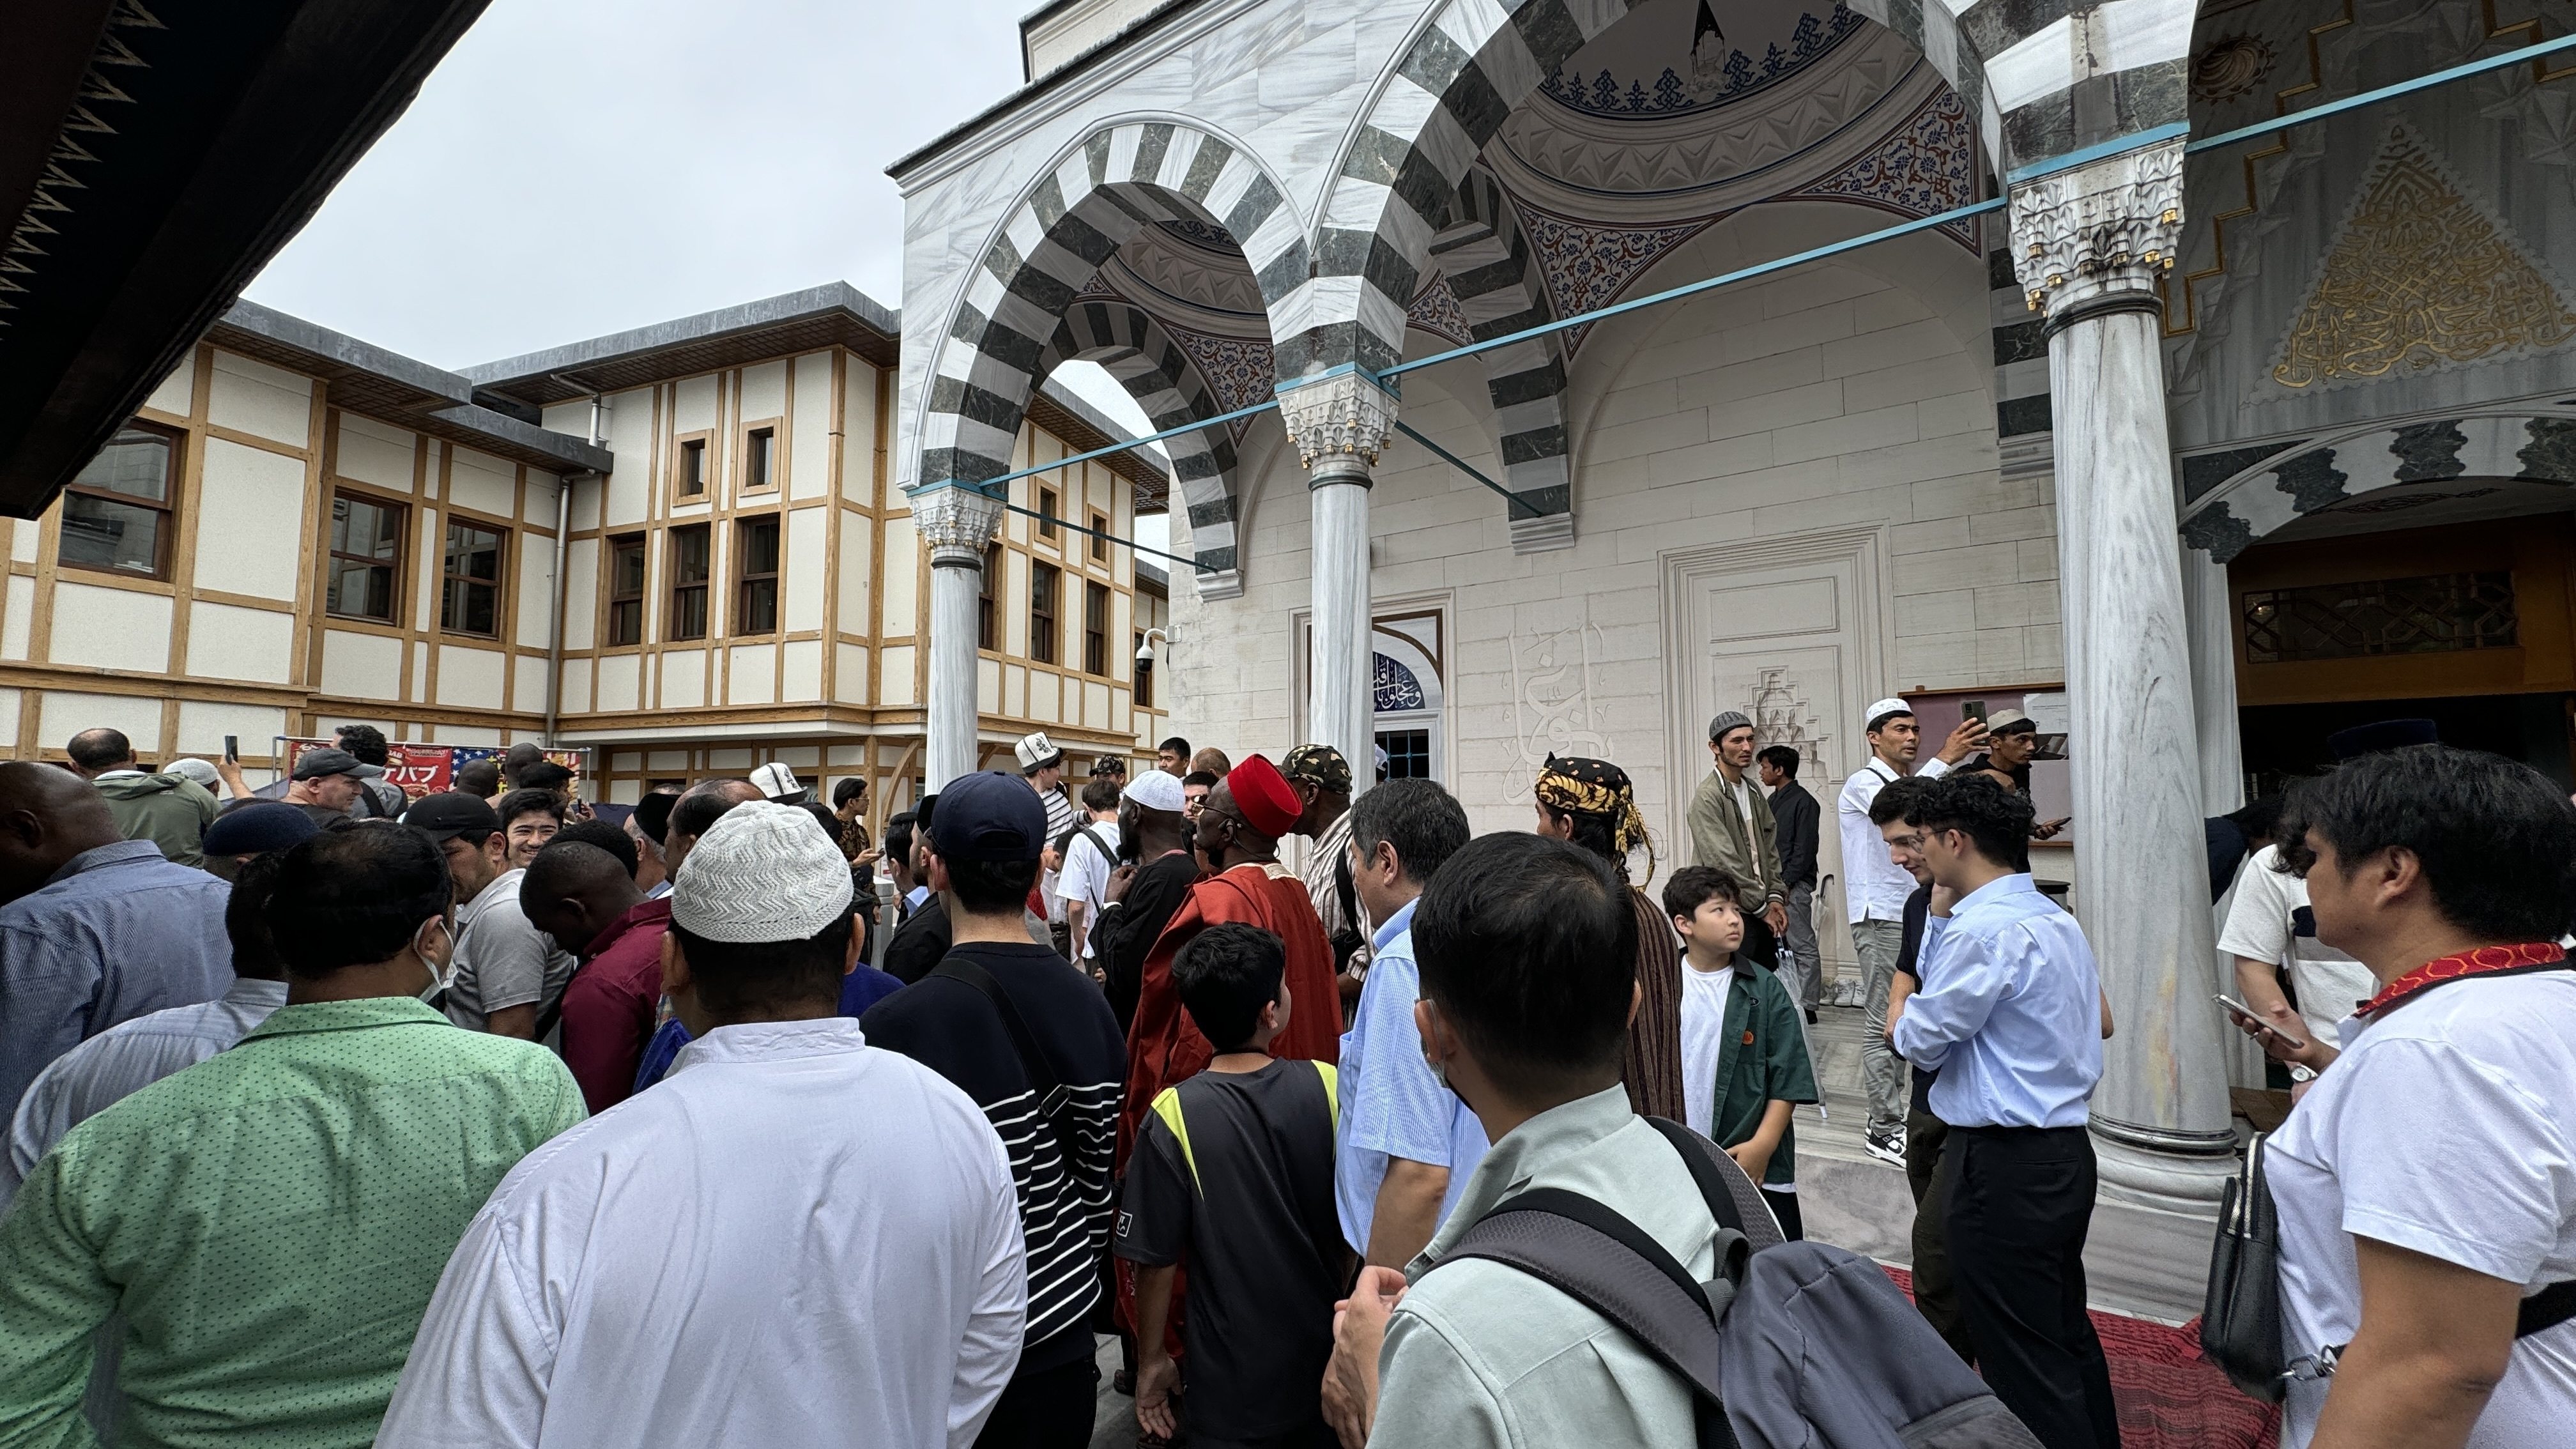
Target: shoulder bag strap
[1695,1153]
[1052,1093]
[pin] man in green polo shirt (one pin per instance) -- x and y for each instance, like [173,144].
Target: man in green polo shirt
[270,1223]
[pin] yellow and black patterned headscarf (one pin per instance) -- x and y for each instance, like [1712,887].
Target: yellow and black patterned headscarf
[1601,790]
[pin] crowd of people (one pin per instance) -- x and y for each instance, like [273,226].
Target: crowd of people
[474,1119]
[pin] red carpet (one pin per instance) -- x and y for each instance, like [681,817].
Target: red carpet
[2170,1398]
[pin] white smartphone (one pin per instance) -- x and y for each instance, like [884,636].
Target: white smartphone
[2240,1010]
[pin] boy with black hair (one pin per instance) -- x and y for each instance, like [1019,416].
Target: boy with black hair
[1744,1060]
[1233,1171]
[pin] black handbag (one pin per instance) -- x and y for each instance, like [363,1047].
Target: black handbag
[2240,1318]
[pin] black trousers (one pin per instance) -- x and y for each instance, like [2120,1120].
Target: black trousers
[1048,1409]
[1784,1206]
[1936,1288]
[2021,1200]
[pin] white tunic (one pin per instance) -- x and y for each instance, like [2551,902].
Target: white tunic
[793,1239]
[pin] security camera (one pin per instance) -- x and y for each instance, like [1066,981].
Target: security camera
[1145,647]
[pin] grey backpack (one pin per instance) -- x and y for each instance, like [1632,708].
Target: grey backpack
[1792,1346]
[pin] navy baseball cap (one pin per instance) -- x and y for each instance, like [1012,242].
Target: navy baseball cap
[989,816]
[258,828]
[452,813]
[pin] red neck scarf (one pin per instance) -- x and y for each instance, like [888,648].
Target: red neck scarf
[2484,961]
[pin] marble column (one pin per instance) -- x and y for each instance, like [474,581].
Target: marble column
[1340,424]
[957,522]
[2089,244]
[2211,609]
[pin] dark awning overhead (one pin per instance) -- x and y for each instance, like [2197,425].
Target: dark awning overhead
[154,154]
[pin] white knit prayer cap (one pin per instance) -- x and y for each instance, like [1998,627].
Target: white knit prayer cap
[1157,790]
[762,872]
[1884,708]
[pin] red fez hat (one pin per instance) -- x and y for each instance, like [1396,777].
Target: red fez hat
[1265,799]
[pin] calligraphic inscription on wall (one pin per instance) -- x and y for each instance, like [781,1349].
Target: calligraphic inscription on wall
[1552,694]
[2421,278]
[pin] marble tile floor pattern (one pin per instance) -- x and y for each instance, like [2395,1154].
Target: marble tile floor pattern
[2140,1262]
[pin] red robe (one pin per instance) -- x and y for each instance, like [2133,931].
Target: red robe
[1165,1047]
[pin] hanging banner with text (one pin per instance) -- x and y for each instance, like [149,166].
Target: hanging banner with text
[428,769]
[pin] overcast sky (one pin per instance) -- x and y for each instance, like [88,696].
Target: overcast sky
[579,167]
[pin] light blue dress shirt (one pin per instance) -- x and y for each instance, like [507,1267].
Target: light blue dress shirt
[1392,1106]
[118,932]
[2009,1013]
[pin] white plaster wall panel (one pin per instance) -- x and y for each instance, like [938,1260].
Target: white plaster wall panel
[684,679]
[1046,695]
[436,450]
[1095,705]
[694,405]
[581,593]
[764,391]
[18,622]
[858,550]
[988,687]
[729,759]
[243,492]
[374,452]
[468,735]
[801,756]
[848,755]
[1011,601]
[1015,690]
[809,433]
[753,677]
[65,713]
[625,792]
[895,677]
[576,686]
[203,725]
[110,628]
[667,760]
[429,555]
[483,483]
[800,671]
[361,666]
[528,691]
[587,494]
[803,587]
[175,394]
[850,674]
[419,686]
[264,401]
[225,642]
[630,437]
[542,500]
[536,565]
[619,675]
[22,540]
[470,677]
[902,561]
[859,431]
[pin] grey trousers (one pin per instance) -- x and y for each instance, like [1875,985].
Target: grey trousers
[1882,1071]
[1799,941]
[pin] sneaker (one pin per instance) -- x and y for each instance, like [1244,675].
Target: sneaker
[1811,1016]
[1885,1146]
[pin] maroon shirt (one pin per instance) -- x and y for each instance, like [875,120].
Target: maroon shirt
[609,1007]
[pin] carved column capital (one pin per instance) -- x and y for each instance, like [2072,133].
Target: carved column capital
[1340,424]
[2104,228]
[957,521]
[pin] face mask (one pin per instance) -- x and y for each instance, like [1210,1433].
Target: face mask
[1439,1071]
[434,960]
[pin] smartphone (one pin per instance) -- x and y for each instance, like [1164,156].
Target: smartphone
[1975,709]
[232,749]
[2243,1012]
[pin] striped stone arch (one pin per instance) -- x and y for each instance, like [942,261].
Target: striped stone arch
[1120,178]
[1132,347]
[2246,493]
[1486,257]
[2045,77]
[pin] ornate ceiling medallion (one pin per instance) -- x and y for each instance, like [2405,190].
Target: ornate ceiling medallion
[2421,278]
[2231,66]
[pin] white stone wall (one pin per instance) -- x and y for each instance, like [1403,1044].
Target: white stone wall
[1843,410]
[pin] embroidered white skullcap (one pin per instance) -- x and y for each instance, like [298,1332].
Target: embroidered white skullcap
[1156,790]
[778,782]
[1884,708]
[762,872]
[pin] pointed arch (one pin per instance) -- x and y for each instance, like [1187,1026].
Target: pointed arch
[1487,259]
[1132,347]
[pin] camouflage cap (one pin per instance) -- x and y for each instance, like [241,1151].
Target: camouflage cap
[1319,765]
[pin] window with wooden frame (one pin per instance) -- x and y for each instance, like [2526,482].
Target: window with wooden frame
[366,558]
[760,458]
[470,599]
[626,590]
[118,513]
[988,613]
[689,469]
[689,566]
[1144,675]
[1100,535]
[1095,628]
[1046,513]
[755,554]
[1043,581]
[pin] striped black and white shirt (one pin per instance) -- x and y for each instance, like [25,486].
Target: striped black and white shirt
[1061,1170]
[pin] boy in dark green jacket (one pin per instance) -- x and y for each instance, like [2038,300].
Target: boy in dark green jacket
[1744,1060]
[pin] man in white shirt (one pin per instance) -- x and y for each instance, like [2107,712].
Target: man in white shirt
[1875,891]
[2426,1182]
[1083,884]
[736,1256]
[2271,928]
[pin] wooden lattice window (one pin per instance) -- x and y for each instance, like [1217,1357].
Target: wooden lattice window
[2431,614]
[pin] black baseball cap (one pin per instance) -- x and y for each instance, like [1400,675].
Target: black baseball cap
[315,764]
[989,816]
[445,816]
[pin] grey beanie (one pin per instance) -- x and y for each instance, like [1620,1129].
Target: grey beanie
[1733,719]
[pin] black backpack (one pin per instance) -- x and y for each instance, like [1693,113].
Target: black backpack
[1792,1343]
